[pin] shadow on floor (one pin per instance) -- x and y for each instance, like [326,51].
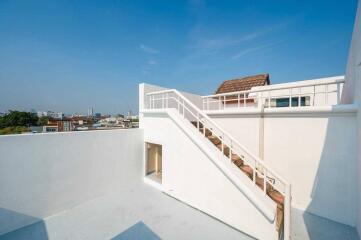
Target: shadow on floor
[26,227]
[138,231]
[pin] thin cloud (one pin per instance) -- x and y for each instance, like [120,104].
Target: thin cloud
[253,49]
[152,62]
[148,49]
[214,44]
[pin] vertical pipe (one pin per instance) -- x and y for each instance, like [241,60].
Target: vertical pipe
[287,213]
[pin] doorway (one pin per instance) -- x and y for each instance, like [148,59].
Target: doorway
[154,162]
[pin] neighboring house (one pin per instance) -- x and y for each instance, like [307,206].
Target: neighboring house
[243,85]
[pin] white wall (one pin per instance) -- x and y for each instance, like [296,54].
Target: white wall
[352,93]
[43,174]
[317,154]
[190,175]
[246,129]
[315,151]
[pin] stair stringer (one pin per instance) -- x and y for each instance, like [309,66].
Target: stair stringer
[195,172]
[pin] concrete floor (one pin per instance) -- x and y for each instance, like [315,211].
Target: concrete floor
[139,213]
[142,212]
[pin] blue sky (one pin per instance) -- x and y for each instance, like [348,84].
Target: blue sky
[70,55]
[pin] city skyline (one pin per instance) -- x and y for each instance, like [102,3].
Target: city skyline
[66,56]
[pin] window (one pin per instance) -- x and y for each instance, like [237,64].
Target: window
[154,162]
[285,102]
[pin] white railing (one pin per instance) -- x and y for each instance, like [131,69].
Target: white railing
[307,94]
[174,99]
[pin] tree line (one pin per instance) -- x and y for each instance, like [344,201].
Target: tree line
[18,122]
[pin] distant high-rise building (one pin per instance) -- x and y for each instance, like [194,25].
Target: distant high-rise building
[90,112]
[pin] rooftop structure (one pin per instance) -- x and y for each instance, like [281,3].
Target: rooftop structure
[268,162]
[244,83]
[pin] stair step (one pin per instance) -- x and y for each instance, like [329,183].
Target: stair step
[215,140]
[247,170]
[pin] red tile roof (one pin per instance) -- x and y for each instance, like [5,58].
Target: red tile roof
[243,84]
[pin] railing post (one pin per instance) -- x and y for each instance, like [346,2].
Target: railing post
[153,104]
[244,100]
[219,103]
[222,143]
[290,104]
[238,100]
[314,95]
[265,181]
[326,94]
[224,102]
[287,213]
[163,100]
[230,151]
[150,101]
[167,100]
[254,172]
[338,93]
[259,100]
[269,99]
[299,97]
[183,107]
[207,103]
[198,121]
[178,103]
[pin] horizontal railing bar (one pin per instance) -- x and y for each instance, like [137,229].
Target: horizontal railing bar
[275,88]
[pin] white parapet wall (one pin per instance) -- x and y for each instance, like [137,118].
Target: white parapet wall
[314,148]
[44,174]
[352,94]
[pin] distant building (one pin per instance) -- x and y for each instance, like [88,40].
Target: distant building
[50,114]
[90,112]
[63,125]
[50,128]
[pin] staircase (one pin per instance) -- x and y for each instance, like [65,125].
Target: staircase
[237,160]
[262,176]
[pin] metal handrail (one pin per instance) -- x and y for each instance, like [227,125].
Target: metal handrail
[261,96]
[275,88]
